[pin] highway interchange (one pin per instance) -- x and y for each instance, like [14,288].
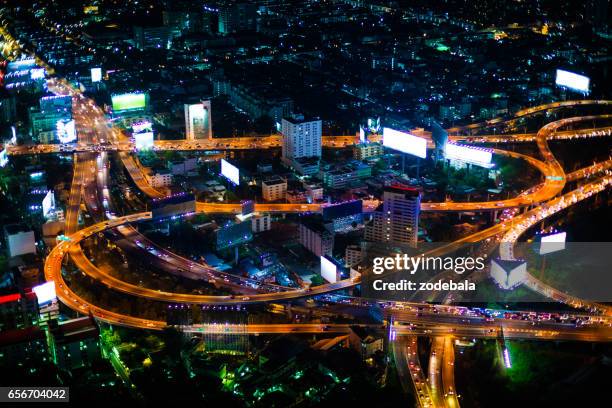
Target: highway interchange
[409,320]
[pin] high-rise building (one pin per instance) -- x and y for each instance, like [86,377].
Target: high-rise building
[49,123]
[301,138]
[241,16]
[397,222]
[198,124]
[180,22]
[152,37]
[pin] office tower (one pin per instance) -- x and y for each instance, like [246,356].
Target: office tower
[397,222]
[237,17]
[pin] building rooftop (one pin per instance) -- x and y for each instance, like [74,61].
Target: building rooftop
[76,330]
[272,181]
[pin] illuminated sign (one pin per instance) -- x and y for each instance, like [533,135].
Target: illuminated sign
[404,142]
[96,74]
[139,127]
[37,73]
[45,292]
[66,130]
[362,138]
[552,242]
[21,64]
[374,125]
[144,140]
[3,158]
[197,121]
[473,155]
[48,204]
[329,270]
[508,274]
[129,101]
[573,81]
[230,172]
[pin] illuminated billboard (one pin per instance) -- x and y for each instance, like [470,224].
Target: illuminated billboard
[45,293]
[230,172]
[129,101]
[3,158]
[508,274]
[48,204]
[573,81]
[37,73]
[404,142]
[66,130]
[144,140]
[329,270]
[374,125]
[552,243]
[96,74]
[197,121]
[19,65]
[473,155]
[362,137]
[140,127]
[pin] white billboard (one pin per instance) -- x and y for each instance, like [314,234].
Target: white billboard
[404,142]
[197,122]
[473,155]
[45,293]
[230,172]
[508,274]
[144,140]
[362,138]
[48,204]
[552,243]
[96,74]
[37,73]
[573,81]
[144,126]
[329,270]
[66,130]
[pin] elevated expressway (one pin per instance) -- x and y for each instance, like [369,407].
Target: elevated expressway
[274,141]
[528,112]
[54,261]
[552,186]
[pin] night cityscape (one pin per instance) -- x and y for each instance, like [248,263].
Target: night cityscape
[242,203]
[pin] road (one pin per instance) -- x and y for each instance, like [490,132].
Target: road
[55,259]
[409,370]
[448,374]
[434,373]
[274,141]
